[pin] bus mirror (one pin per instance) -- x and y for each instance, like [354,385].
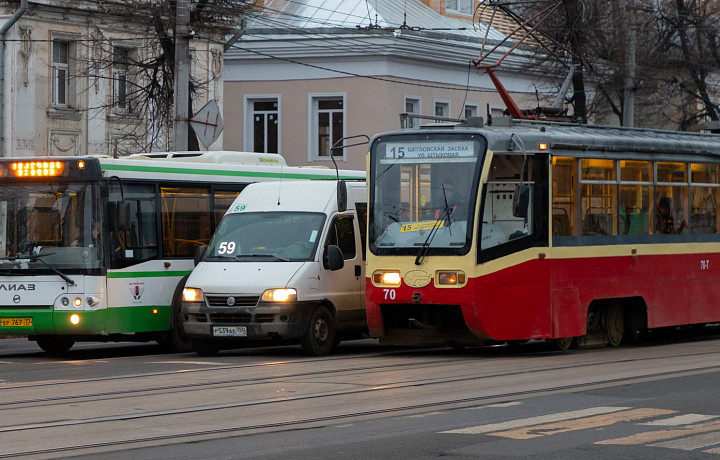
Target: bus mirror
[122,221]
[521,200]
[333,258]
[199,253]
[341,196]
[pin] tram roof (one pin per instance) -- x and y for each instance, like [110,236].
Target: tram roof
[593,141]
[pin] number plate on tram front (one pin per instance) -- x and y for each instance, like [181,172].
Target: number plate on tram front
[16,322]
[230,331]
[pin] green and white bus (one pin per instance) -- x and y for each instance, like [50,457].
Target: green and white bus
[97,249]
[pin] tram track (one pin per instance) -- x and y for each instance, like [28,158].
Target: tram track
[301,423]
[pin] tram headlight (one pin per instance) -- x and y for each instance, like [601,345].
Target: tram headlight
[450,278]
[279,295]
[193,295]
[387,277]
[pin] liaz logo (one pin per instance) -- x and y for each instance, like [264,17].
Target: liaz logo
[17,287]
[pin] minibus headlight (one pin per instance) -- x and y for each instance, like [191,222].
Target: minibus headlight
[279,295]
[193,295]
[387,277]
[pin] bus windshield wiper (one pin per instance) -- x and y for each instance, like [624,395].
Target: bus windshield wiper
[39,257]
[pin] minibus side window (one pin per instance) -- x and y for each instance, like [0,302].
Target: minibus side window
[342,234]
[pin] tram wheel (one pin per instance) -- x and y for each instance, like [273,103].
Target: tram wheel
[564,343]
[319,339]
[204,347]
[615,324]
[55,344]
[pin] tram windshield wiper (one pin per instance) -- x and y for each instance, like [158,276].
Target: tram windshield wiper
[426,245]
[39,258]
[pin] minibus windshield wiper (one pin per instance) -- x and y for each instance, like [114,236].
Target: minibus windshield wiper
[266,256]
[39,258]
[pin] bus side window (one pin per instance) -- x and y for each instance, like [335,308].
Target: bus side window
[186,219]
[139,241]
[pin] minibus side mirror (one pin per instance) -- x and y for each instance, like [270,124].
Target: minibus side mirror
[333,258]
[199,253]
[341,196]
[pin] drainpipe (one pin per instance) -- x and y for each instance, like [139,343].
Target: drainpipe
[3,30]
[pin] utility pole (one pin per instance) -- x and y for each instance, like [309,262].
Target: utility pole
[629,95]
[182,76]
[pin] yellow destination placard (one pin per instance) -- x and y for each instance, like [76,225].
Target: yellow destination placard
[428,225]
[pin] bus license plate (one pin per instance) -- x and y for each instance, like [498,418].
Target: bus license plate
[16,322]
[230,331]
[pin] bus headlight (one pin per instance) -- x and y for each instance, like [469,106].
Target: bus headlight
[387,277]
[279,295]
[450,278]
[193,295]
[75,319]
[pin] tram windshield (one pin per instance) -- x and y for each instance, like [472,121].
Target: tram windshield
[45,227]
[266,237]
[423,192]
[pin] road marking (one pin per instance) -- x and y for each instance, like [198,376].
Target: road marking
[656,436]
[685,419]
[423,415]
[199,363]
[523,422]
[693,442]
[585,423]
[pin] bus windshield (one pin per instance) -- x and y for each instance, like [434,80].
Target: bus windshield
[423,192]
[46,226]
[267,236]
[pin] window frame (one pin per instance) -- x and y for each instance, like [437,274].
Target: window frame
[249,101]
[458,9]
[56,67]
[417,109]
[442,103]
[314,125]
[117,73]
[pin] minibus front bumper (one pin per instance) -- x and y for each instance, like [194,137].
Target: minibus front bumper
[267,320]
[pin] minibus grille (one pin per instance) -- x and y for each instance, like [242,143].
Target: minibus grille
[237,301]
[230,318]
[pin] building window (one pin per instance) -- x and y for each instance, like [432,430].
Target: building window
[471,110]
[265,129]
[412,105]
[442,109]
[121,67]
[60,72]
[464,7]
[328,125]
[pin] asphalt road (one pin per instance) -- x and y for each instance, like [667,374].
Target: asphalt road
[656,399]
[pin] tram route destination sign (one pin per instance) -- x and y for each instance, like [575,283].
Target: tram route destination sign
[418,150]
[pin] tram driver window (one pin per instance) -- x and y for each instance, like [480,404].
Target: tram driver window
[501,222]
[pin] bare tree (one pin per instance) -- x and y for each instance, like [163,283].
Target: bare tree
[140,69]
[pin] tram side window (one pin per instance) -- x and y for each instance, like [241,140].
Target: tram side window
[598,193]
[635,197]
[704,191]
[186,219]
[501,220]
[671,198]
[564,207]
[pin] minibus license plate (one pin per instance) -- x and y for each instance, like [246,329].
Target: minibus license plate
[230,331]
[16,322]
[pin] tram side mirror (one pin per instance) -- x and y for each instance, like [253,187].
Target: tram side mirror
[199,253]
[333,258]
[521,199]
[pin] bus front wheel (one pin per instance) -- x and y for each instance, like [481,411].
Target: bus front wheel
[55,344]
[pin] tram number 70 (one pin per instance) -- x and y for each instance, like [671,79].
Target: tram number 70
[389,294]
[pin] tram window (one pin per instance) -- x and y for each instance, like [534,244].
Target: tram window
[671,172]
[670,210]
[598,198]
[563,196]
[185,220]
[594,169]
[499,224]
[703,206]
[634,209]
[705,173]
[635,171]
